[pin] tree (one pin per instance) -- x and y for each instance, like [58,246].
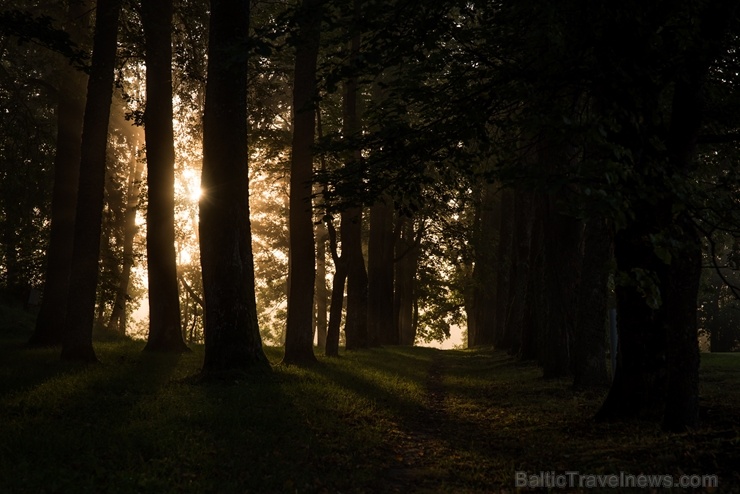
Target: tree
[589,367]
[117,321]
[70,113]
[321,296]
[355,326]
[483,292]
[77,341]
[406,265]
[380,323]
[302,270]
[232,337]
[165,331]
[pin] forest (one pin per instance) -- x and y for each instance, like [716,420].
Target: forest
[248,221]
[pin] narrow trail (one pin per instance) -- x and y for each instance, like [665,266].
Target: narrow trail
[417,445]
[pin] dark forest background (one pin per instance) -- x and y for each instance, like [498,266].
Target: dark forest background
[321,175]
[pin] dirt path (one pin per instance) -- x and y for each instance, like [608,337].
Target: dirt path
[417,444]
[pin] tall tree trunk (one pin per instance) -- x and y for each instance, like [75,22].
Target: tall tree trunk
[355,325]
[70,114]
[684,273]
[117,321]
[589,359]
[337,295]
[534,321]
[355,328]
[77,341]
[407,255]
[485,287]
[639,382]
[321,295]
[658,359]
[302,271]
[503,276]
[232,337]
[562,271]
[380,324]
[165,330]
[521,300]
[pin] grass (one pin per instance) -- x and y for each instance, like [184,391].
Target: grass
[381,420]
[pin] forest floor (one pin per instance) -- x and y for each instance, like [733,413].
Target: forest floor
[375,421]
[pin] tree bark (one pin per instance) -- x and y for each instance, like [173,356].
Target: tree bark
[302,271]
[355,325]
[562,271]
[355,328]
[589,360]
[321,295]
[380,323]
[165,330]
[485,290]
[232,337]
[407,254]
[337,295]
[534,322]
[503,276]
[684,273]
[70,114]
[77,341]
[521,303]
[638,386]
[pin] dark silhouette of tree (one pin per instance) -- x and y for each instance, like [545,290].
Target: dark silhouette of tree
[380,323]
[337,294]
[165,331]
[77,341]
[322,294]
[232,338]
[70,113]
[589,356]
[483,293]
[355,325]
[302,270]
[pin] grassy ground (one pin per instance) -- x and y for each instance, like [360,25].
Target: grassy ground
[382,420]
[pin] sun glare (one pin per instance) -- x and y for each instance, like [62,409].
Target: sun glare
[191,182]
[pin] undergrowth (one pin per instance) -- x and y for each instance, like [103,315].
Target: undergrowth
[380,420]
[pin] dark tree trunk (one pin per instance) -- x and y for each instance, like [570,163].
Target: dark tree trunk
[302,271]
[534,321]
[355,328]
[503,270]
[639,382]
[321,295]
[487,234]
[562,271]
[589,359]
[682,352]
[407,254]
[658,360]
[70,113]
[380,326]
[520,258]
[77,341]
[684,273]
[355,325]
[337,295]
[117,321]
[165,330]
[232,337]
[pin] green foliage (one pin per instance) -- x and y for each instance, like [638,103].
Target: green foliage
[26,166]
[27,27]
